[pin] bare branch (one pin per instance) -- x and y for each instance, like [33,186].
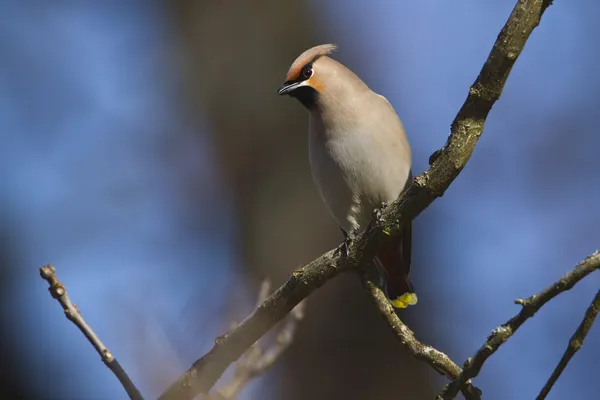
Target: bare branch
[435,358]
[530,306]
[59,292]
[263,293]
[255,361]
[574,345]
[431,184]
[283,340]
[204,372]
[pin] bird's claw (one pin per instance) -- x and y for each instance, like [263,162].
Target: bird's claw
[342,249]
[378,213]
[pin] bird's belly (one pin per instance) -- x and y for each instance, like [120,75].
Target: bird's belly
[338,195]
[353,178]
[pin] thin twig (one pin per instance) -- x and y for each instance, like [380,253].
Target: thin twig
[465,132]
[575,344]
[59,292]
[435,358]
[530,306]
[256,361]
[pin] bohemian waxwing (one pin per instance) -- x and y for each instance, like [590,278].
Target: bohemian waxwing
[359,156]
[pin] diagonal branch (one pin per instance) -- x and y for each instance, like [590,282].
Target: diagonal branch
[574,345]
[255,360]
[530,306]
[204,372]
[431,184]
[435,358]
[59,292]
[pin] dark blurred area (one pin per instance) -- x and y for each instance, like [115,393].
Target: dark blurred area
[146,155]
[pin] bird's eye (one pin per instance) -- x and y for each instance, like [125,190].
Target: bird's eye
[307,73]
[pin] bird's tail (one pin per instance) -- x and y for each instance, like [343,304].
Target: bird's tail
[393,259]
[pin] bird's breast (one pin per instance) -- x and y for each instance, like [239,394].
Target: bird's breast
[355,170]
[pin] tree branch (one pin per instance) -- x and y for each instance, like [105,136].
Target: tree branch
[530,306]
[575,344]
[255,361]
[204,372]
[59,292]
[431,184]
[435,358]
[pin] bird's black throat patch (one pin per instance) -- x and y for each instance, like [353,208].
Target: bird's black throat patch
[306,95]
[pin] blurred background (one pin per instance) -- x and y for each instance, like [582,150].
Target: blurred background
[145,154]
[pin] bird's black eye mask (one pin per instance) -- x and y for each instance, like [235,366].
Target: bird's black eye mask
[305,73]
[305,94]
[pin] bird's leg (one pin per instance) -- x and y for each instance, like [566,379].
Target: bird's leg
[342,249]
[378,213]
[378,217]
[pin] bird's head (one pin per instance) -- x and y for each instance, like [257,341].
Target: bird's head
[307,76]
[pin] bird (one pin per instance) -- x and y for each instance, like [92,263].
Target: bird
[359,155]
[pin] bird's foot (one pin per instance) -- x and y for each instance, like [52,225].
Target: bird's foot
[378,218]
[342,249]
[378,213]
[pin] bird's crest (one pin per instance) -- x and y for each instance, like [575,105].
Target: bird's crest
[308,56]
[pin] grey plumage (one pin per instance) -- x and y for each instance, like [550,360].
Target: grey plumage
[359,156]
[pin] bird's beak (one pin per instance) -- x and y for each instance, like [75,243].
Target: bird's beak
[289,87]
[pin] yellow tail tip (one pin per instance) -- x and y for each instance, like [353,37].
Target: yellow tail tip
[407,299]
